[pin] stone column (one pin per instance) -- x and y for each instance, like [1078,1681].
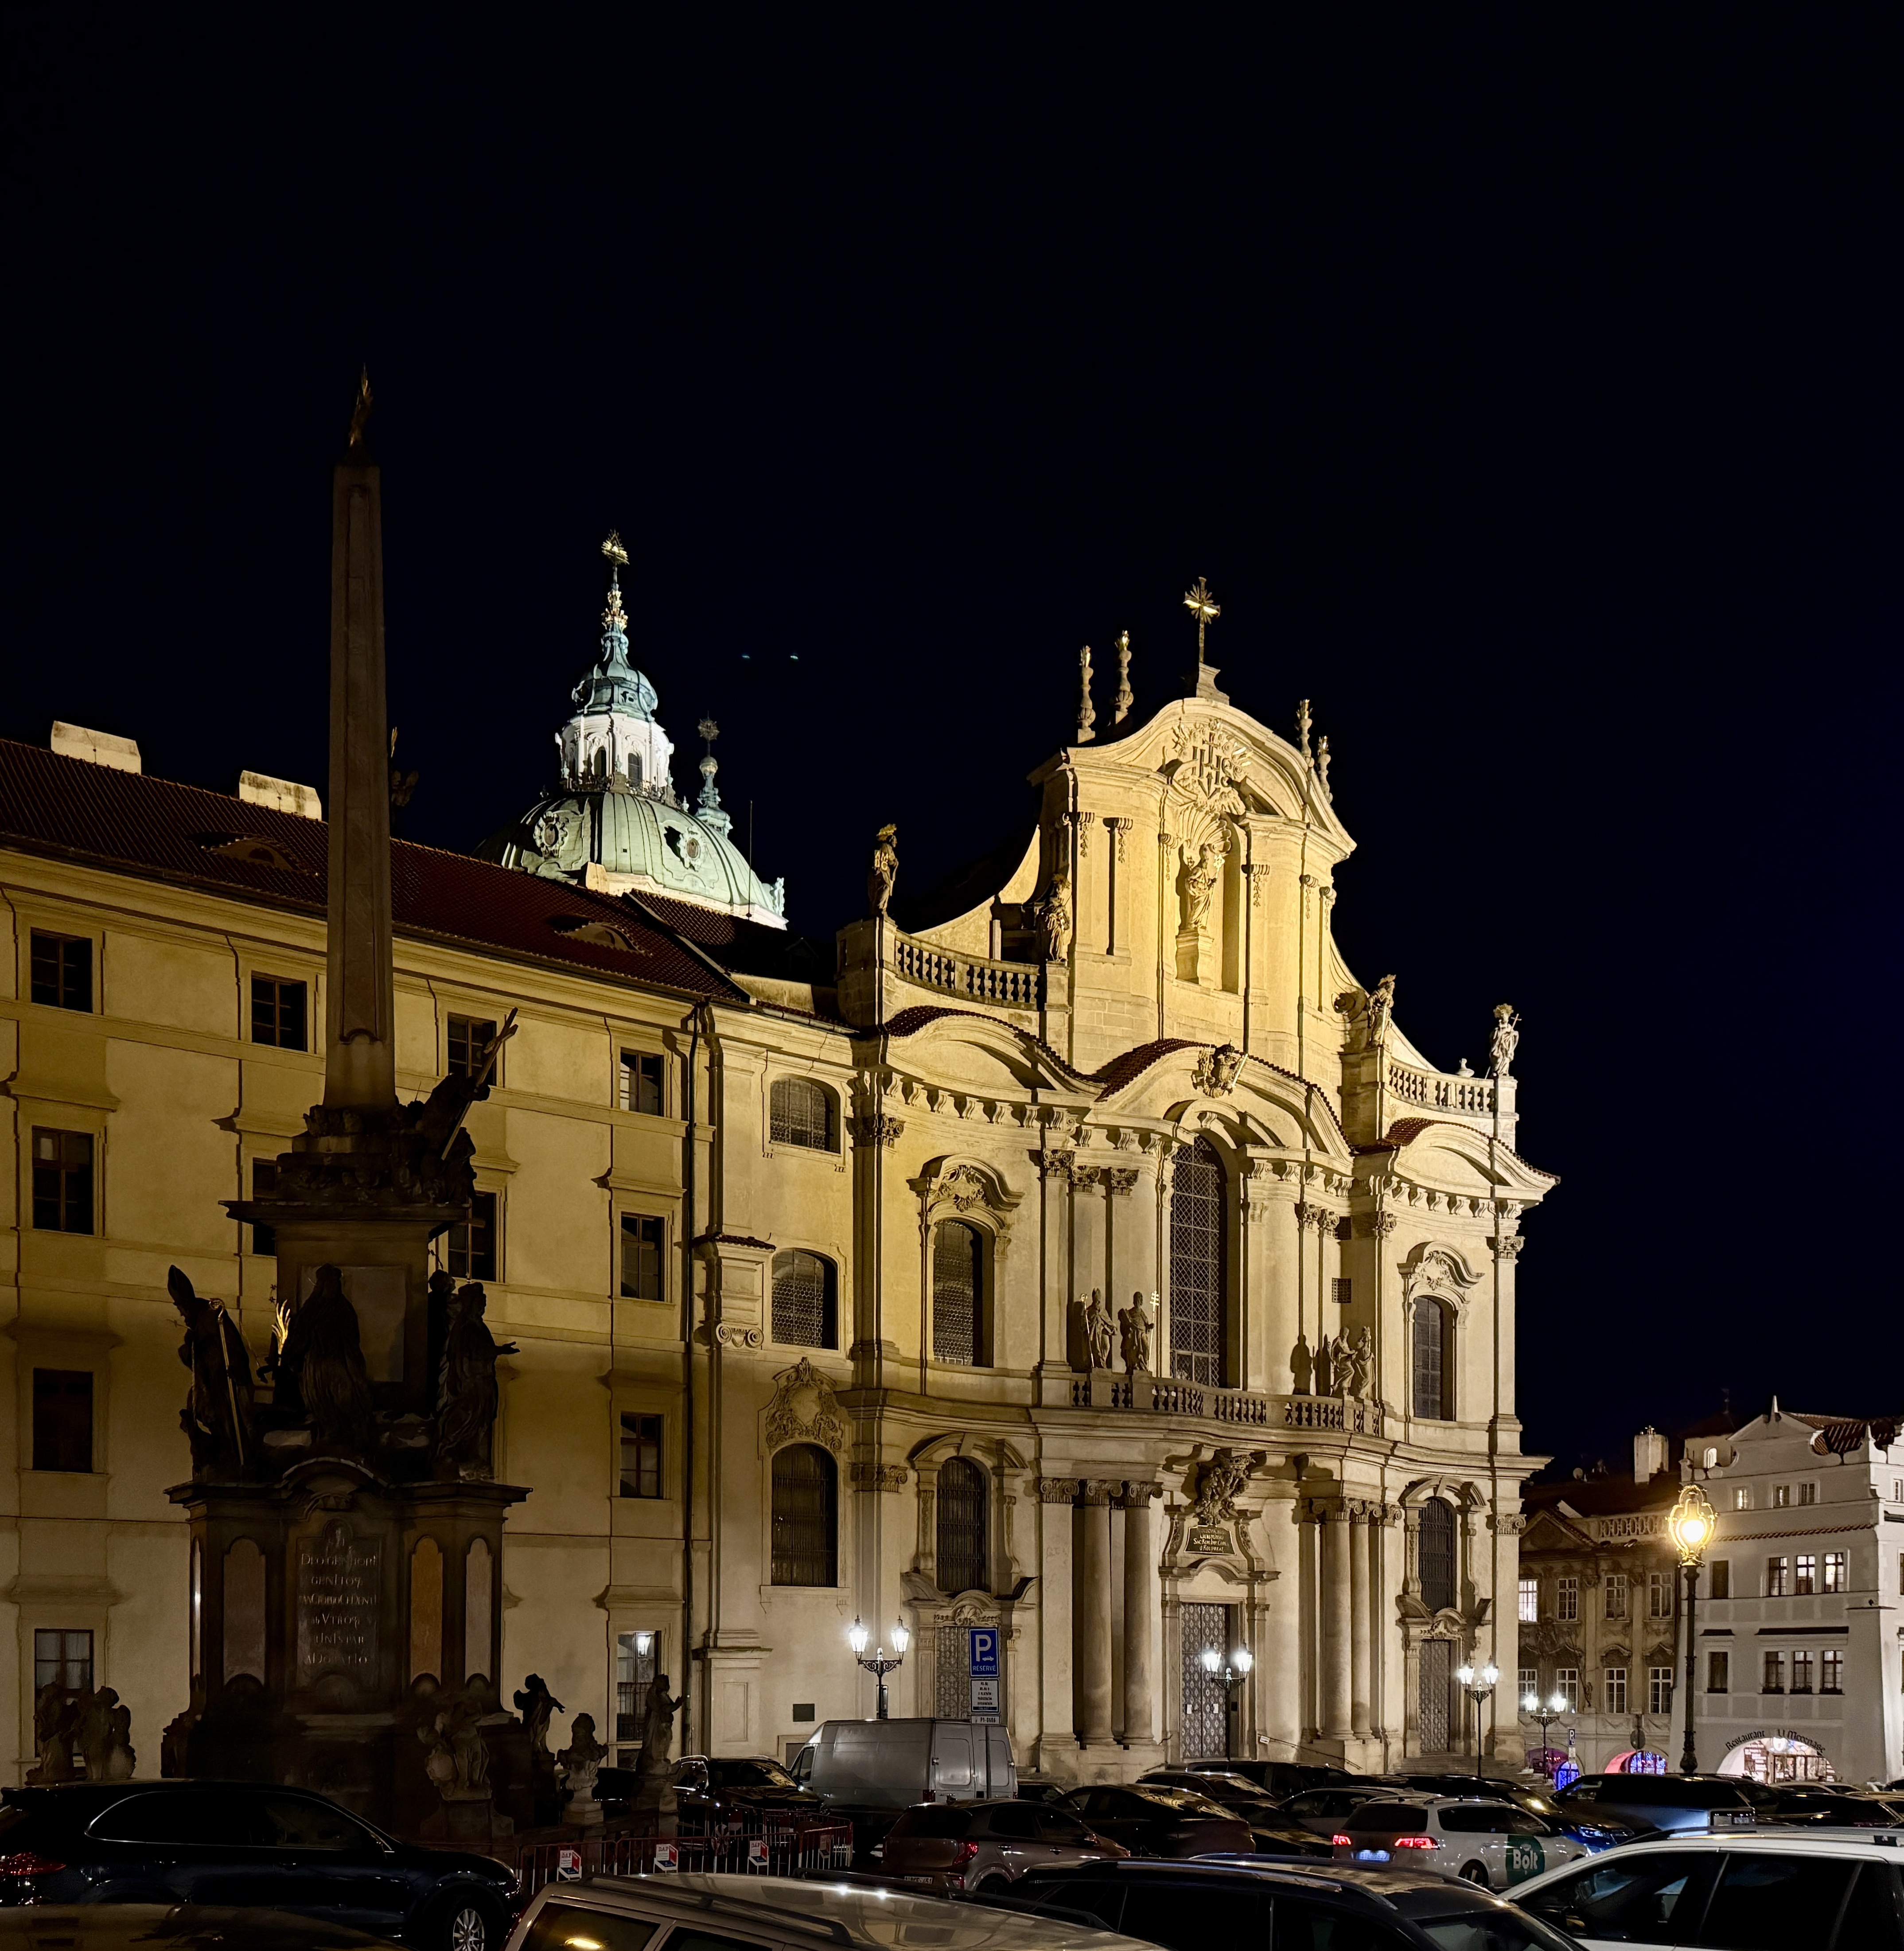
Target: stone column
[1093,1615]
[1359,1534]
[1054,1668]
[1140,1640]
[1279,1651]
[1333,1651]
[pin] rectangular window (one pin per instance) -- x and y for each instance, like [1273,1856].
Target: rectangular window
[471,1254]
[1660,1595]
[1801,1671]
[1721,1578]
[1808,1493]
[1529,1598]
[278,1013]
[1341,1290]
[1773,1681]
[264,1184]
[62,1659]
[62,970]
[470,1037]
[1742,1498]
[1566,1683]
[1781,1497]
[1615,1596]
[1613,1680]
[1719,1672]
[1530,1680]
[1778,1576]
[641,1456]
[1805,1576]
[63,1419]
[637,1661]
[1831,1671]
[62,1180]
[642,1249]
[641,1086]
[1567,1597]
[1835,1570]
[1658,1689]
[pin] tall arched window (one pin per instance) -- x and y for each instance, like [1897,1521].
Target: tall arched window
[800,1113]
[1198,1279]
[1431,1370]
[805,1314]
[1436,1554]
[805,1516]
[959,1294]
[960,1550]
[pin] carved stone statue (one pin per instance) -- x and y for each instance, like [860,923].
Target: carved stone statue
[653,1772]
[1100,1330]
[324,1361]
[1505,1041]
[459,1757]
[104,1734]
[1382,1003]
[217,1418]
[1054,920]
[536,1703]
[1217,1484]
[467,1396]
[442,1294]
[580,1762]
[1361,1366]
[1200,881]
[884,870]
[1134,1325]
[56,1724]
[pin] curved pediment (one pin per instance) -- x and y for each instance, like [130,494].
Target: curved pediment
[961,1047]
[1461,1159]
[1190,1085]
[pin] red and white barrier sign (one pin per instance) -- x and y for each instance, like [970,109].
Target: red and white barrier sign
[568,1866]
[667,1857]
[757,1852]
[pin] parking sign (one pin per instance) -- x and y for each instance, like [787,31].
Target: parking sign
[985,1652]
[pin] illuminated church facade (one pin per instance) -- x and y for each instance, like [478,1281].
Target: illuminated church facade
[1090,1258]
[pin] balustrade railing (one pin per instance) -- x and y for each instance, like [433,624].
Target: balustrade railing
[1006,985]
[1168,1395]
[1474,1096]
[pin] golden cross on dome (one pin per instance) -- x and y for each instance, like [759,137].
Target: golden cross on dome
[612,549]
[1199,602]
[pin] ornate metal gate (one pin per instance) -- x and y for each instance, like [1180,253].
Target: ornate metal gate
[1199,1285]
[1204,1722]
[1435,1715]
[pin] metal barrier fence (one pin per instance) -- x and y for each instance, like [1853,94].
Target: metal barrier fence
[766,1848]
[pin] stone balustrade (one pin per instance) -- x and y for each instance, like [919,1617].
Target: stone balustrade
[1005,985]
[1242,1409]
[1434,1091]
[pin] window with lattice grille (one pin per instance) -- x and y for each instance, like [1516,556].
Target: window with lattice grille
[1198,1272]
[1436,1547]
[800,1113]
[805,1516]
[803,1308]
[959,1552]
[958,1294]
[1429,1347]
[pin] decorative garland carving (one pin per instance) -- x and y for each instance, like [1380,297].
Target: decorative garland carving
[804,1409]
[1214,1074]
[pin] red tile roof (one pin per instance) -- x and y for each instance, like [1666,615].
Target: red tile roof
[157,830]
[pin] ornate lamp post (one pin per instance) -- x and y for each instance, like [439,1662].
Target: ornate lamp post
[1479,1688]
[1691,1527]
[1546,1712]
[1232,1671]
[879,1662]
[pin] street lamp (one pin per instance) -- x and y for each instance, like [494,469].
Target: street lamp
[1232,1672]
[879,1662]
[1479,1688]
[1691,1528]
[1546,1712]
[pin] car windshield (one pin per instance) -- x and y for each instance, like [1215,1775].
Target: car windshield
[749,1775]
[1186,1800]
[1490,1930]
[1401,1819]
[934,1818]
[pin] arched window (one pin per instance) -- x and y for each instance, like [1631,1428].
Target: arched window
[1433,1372]
[805,1314]
[635,770]
[805,1516]
[960,1551]
[959,1294]
[1198,1279]
[1436,1543]
[801,1113]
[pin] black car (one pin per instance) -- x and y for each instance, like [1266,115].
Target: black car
[1157,1821]
[245,1845]
[1192,1906]
[1279,1779]
[712,1793]
[1272,1833]
[1817,1804]
[185,1927]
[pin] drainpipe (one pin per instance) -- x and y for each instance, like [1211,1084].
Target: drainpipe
[688,1434]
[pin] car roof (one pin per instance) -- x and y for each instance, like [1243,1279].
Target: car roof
[1882,1845]
[1337,1879]
[847,1914]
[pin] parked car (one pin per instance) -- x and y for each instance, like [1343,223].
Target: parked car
[1272,1833]
[1333,1907]
[1600,1832]
[945,1846]
[1792,1888]
[245,1845]
[1321,1810]
[1829,1805]
[743,1913]
[715,1789]
[185,1927]
[1041,1788]
[891,1765]
[1158,1822]
[1486,1842]
[1276,1778]
[1668,1804]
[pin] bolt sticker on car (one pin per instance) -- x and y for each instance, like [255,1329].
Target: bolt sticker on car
[1525,1858]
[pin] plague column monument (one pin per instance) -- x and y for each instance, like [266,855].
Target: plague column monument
[346,1530]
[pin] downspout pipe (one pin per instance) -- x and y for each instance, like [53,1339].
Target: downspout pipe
[689,1432]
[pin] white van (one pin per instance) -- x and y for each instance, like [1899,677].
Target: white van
[893,1764]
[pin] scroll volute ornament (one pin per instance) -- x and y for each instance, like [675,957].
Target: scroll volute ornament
[804,1409]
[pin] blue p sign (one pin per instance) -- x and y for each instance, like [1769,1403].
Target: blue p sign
[985,1652]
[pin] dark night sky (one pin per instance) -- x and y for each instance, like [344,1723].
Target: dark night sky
[1528,393]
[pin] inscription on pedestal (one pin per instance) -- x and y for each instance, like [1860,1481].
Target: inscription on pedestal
[339,1587]
[1209,1537]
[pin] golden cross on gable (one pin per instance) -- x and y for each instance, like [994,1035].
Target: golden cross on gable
[1201,605]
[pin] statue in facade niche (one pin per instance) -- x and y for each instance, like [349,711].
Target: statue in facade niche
[1505,1041]
[1054,920]
[884,870]
[1134,1325]
[1100,1330]
[217,1417]
[323,1358]
[467,1395]
[1199,882]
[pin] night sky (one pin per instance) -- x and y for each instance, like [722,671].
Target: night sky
[1529,395]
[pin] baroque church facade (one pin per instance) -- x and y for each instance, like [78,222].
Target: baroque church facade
[1091,1258]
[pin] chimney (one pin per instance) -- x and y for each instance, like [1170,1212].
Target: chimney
[97,748]
[1649,1455]
[260,789]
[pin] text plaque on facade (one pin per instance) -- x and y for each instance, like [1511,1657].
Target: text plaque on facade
[985,1699]
[338,1580]
[1209,1537]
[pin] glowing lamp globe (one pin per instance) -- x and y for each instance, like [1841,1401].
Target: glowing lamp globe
[1212,1659]
[1690,1525]
[1243,1660]
[857,1637]
[901,1638]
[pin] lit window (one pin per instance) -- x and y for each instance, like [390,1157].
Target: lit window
[1806,1576]
[1808,1493]
[1529,1598]
[470,1251]
[801,1113]
[1530,1680]
[1801,1671]
[642,1249]
[637,1659]
[62,971]
[640,1472]
[1777,1571]
[1658,1689]
[1773,1681]
[1614,1688]
[1566,1683]
[1830,1670]
[1614,1595]
[62,1180]
[1742,1498]
[1567,1598]
[1835,1570]
[278,1013]
[639,1088]
[1719,1672]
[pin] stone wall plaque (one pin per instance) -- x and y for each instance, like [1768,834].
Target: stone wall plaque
[339,1586]
[1209,1537]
